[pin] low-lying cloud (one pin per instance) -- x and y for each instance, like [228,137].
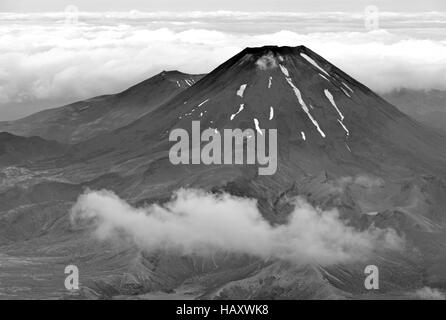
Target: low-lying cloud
[366,181]
[196,222]
[42,59]
[427,293]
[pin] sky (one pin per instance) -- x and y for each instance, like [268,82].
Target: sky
[51,54]
[213,5]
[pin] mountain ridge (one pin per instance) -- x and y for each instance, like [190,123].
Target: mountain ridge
[83,119]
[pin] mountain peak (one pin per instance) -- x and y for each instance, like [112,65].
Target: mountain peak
[299,59]
[279,53]
[319,112]
[172,73]
[309,100]
[178,78]
[283,50]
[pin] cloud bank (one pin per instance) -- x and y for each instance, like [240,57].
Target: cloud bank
[427,293]
[44,59]
[202,223]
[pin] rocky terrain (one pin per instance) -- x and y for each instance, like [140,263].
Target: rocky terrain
[340,147]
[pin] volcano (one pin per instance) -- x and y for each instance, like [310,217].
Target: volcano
[326,120]
[340,146]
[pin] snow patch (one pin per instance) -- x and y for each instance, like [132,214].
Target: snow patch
[256,123]
[343,126]
[240,109]
[241,90]
[331,99]
[346,93]
[203,102]
[351,90]
[303,135]
[301,100]
[324,77]
[314,63]
[284,70]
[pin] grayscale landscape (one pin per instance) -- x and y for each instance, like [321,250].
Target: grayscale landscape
[361,157]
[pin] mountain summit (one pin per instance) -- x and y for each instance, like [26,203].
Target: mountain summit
[320,113]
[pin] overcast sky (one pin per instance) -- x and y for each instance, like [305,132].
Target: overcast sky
[245,5]
[47,62]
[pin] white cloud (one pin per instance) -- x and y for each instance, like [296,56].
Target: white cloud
[365,181]
[266,62]
[202,223]
[43,59]
[427,293]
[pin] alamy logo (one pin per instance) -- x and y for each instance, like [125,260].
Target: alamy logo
[229,151]
[72,280]
[71,16]
[371,282]
[371,18]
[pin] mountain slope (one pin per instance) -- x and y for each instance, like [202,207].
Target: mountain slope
[325,119]
[358,154]
[428,107]
[85,119]
[22,150]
